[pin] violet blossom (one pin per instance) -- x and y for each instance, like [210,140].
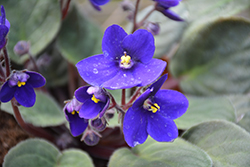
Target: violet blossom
[95,101]
[21,85]
[76,123]
[97,3]
[4,28]
[127,60]
[153,114]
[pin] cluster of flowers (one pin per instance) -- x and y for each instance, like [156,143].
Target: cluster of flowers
[127,62]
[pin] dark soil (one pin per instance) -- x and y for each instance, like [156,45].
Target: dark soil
[10,134]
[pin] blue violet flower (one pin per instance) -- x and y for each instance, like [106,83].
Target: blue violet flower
[4,28]
[95,101]
[163,7]
[97,3]
[76,123]
[153,114]
[126,60]
[21,85]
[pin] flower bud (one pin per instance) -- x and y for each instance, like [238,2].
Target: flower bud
[99,124]
[127,5]
[90,137]
[154,28]
[22,48]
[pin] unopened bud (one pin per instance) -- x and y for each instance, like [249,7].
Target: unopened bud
[90,137]
[99,124]
[154,28]
[22,48]
[127,5]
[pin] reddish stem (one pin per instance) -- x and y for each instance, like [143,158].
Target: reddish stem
[123,102]
[135,15]
[29,128]
[65,10]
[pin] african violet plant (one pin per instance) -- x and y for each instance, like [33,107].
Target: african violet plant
[171,88]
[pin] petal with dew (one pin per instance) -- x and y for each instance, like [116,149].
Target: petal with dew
[173,104]
[134,127]
[140,46]
[111,42]
[161,129]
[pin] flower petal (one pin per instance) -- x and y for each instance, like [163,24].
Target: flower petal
[140,46]
[134,127]
[161,129]
[35,80]
[25,95]
[150,72]
[140,101]
[111,42]
[168,3]
[77,124]
[90,109]
[6,92]
[99,2]
[173,104]
[122,80]
[3,32]
[96,70]
[82,95]
[157,85]
[172,15]
[104,108]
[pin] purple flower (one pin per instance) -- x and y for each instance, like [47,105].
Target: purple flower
[21,85]
[4,28]
[95,101]
[153,114]
[126,60]
[163,7]
[76,123]
[97,3]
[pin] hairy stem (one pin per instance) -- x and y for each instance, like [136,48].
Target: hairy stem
[135,15]
[7,61]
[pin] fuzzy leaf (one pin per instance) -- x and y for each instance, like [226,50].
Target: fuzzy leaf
[45,112]
[151,154]
[32,20]
[226,143]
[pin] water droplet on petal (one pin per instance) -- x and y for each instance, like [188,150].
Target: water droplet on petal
[169,134]
[95,65]
[95,71]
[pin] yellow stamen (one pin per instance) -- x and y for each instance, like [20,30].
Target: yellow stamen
[19,84]
[154,108]
[73,112]
[94,99]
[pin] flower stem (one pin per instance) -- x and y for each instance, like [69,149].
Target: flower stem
[123,102]
[135,15]
[149,13]
[29,128]
[7,61]
[33,61]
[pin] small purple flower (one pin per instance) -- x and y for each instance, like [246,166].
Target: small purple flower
[95,101]
[21,85]
[163,7]
[4,28]
[97,3]
[76,123]
[153,114]
[126,60]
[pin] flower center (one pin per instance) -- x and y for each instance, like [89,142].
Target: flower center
[126,61]
[153,107]
[19,84]
[94,99]
[74,112]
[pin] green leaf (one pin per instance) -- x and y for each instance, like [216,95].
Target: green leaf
[40,153]
[151,154]
[32,20]
[226,143]
[45,112]
[217,65]
[206,109]
[78,38]
[32,153]
[74,158]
